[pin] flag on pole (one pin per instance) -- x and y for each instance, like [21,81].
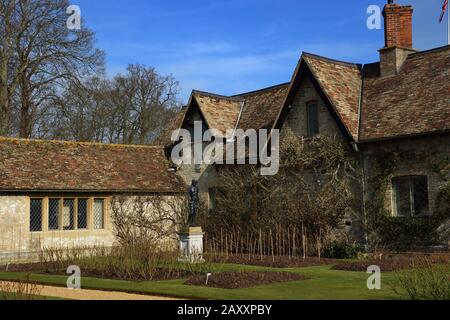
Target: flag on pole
[444,9]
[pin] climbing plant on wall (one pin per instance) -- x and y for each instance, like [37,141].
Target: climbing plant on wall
[385,230]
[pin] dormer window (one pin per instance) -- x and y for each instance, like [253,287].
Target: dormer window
[312,111]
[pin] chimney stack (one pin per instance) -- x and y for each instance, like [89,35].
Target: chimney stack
[398,38]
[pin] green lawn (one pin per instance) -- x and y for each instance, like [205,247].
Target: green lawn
[324,283]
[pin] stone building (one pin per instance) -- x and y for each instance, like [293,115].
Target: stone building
[397,110]
[395,115]
[58,194]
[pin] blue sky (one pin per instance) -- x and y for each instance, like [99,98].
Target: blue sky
[233,46]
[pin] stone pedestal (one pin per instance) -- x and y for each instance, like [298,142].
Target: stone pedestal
[191,245]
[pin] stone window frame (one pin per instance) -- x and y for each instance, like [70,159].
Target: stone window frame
[410,179]
[90,218]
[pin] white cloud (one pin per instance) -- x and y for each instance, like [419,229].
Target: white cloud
[231,66]
[176,50]
[234,73]
[200,48]
[225,68]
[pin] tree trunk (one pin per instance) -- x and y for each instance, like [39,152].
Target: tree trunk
[4,110]
[25,109]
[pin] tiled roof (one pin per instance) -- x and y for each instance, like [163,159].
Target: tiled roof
[221,113]
[251,110]
[70,166]
[341,82]
[416,101]
[261,107]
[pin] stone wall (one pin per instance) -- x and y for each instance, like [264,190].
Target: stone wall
[420,156]
[163,213]
[297,118]
[18,243]
[427,156]
[206,175]
[14,230]
[16,240]
[392,59]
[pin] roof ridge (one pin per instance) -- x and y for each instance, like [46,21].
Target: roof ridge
[215,95]
[371,63]
[312,55]
[261,90]
[81,143]
[437,49]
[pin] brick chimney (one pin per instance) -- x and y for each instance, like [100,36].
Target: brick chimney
[398,38]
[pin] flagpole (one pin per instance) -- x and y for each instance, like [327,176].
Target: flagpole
[448,26]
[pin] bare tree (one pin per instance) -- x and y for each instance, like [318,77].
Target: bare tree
[303,205]
[42,55]
[143,100]
[8,82]
[147,218]
[82,113]
[131,108]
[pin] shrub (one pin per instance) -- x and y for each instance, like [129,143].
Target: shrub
[292,213]
[426,281]
[342,250]
[137,262]
[406,233]
[19,290]
[392,263]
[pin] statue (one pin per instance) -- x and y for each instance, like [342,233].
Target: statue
[193,203]
[191,237]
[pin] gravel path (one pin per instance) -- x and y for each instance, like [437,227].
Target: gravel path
[84,294]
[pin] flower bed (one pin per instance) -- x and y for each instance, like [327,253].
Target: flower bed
[238,280]
[272,262]
[394,262]
[157,274]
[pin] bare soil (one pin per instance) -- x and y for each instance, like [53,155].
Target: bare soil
[273,262]
[49,268]
[394,262]
[238,280]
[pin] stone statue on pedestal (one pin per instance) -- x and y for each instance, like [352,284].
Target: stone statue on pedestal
[191,237]
[193,203]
